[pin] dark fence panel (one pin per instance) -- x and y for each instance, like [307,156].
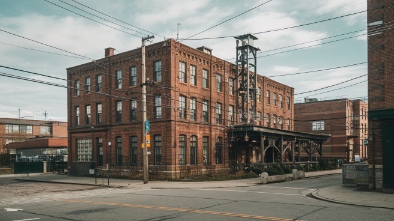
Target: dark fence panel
[28,167]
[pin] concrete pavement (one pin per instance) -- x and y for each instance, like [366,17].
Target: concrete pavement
[359,196]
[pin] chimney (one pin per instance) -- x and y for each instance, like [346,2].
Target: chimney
[109,52]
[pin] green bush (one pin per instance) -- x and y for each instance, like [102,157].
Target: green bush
[274,170]
[256,170]
[287,170]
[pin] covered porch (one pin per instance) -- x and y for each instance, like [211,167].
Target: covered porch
[249,145]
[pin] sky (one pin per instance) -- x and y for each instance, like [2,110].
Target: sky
[293,37]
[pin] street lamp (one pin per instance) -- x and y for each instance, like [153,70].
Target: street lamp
[246,136]
[92,166]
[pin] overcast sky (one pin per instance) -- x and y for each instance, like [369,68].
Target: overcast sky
[316,45]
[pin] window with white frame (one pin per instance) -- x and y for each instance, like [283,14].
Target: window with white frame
[133,150]
[182,149]
[268,97]
[218,83]
[99,83]
[99,116]
[88,114]
[258,94]
[157,68]
[182,72]
[133,76]
[182,107]
[87,85]
[157,149]
[77,88]
[119,151]
[193,109]
[77,116]
[318,125]
[193,78]
[193,149]
[231,114]
[218,113]
[231,86]
[45,130]
[288,102]
[157,106]
[205,112]
[205,82]
[205,147]
[84,149]
[133,110]
[118,76]
[118,111]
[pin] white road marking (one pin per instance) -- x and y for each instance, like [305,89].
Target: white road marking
[243,191]
[12,209]
[27,219]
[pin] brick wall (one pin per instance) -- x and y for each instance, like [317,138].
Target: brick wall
[169,126]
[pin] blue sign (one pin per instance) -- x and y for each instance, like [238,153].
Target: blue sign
[147,125]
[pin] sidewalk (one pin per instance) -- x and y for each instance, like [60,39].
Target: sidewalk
[337,194]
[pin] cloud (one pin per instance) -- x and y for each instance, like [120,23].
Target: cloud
[284,69]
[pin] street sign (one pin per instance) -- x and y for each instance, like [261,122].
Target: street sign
[147,125]
[147,144]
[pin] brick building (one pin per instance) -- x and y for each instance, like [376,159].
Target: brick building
[381,93]
[27,137]
[191,105]
[346,120]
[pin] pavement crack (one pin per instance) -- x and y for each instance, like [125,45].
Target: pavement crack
[313,211]
[50,216]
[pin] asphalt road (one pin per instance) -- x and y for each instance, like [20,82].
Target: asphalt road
[280,201]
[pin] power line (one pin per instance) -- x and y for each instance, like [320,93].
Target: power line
[310,23]
[92,19]
[341,88]
[289,46]
[41,50]
[328,42]
[325,69]
[100,17]
[116,19]
[48,76]
[228,19]
[332,85]
[285,28]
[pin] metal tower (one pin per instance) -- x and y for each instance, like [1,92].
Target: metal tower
[246,78]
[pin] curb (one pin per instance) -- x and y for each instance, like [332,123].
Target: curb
[315,195]
[71,183]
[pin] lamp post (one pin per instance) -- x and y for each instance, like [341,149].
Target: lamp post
[108,159]
[92,166]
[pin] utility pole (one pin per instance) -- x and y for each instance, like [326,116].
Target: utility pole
[143,85]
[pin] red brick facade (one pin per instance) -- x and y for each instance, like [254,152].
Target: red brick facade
[17,130]
[174,121]
[380,85]
[346,121]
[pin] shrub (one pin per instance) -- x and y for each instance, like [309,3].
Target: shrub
[274,170]
[256,170]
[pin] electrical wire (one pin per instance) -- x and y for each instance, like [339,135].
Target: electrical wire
[285,28]
[325,69]
[93,19]
[332,85]
[48,52]
[100,17]
[228,19]
[341,88]
[116,19]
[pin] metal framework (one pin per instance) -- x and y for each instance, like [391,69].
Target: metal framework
[261,145]
[246,90]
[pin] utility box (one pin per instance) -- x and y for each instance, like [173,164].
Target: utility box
[355,174]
